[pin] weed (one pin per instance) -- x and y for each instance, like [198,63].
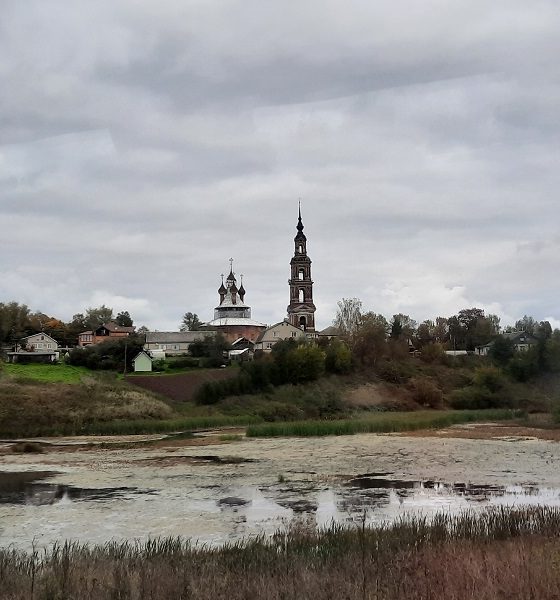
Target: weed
[509,553]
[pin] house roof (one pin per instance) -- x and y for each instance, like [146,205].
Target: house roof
[331,330]
[175,337]
[279,324]
[40,333]
[140,354]
[114,328]
[33,353]
[238,352]
[521,337]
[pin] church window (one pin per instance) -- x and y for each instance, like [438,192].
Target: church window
[300,248]
[301,295]
[301,274]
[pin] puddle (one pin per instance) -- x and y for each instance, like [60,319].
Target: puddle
[30,487]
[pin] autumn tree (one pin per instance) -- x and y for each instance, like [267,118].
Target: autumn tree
[369,341]
[348,316]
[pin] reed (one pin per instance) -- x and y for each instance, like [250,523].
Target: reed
[501,552]
[380,423]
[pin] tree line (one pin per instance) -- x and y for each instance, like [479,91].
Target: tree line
[18,321]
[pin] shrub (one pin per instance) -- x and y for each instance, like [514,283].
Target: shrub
[426,392]
[183,362]
[338,357]
[472,398]
[393,372]
[490,378]
[432,353]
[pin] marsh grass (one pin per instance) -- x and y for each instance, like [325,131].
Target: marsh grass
[500,553]
[379,423]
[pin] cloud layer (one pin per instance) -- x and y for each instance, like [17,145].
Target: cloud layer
[142,144]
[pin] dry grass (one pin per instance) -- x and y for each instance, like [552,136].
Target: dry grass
[38,408]
[511,554]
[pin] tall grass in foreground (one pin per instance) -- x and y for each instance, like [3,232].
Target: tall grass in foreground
[380,423]
[500,553]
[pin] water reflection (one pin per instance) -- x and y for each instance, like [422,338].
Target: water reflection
[29,487]
[215,511]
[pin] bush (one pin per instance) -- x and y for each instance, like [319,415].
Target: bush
[490,378]
[394,372]
[182,362]
[426,392]
[338,357]
[432,353]
[472,398]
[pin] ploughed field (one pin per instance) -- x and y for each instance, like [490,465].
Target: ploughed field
[180,387]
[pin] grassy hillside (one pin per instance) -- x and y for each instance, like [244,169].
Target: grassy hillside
[55,373]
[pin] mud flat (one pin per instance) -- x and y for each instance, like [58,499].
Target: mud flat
[224,491]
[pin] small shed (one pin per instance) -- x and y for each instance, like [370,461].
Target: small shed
[142,362]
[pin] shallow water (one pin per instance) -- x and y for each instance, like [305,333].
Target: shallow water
[37,510]
[224,492]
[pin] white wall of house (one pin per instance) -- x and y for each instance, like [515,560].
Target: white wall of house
[275,333]
[40,342]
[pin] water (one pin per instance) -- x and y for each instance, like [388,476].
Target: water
[36,509]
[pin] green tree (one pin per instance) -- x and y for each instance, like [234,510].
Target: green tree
[502,350]
[526,324]
[425,334]
[338,357]
[14,322]
[124,319]
[306,362]
[369,341]
[402,327]
[190,322]
[95,317]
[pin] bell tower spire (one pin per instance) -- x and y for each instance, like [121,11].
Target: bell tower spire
[301,310]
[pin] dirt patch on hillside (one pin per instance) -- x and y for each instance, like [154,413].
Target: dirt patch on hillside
[181,387]
[381,396]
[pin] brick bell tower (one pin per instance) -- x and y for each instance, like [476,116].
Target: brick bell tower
[301,310]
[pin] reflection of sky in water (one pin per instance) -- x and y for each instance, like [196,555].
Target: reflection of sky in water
[47,512]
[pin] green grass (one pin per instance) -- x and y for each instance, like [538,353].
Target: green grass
[55,373]
[145,426]
[380,423]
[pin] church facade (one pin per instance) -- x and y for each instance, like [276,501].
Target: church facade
[301,310]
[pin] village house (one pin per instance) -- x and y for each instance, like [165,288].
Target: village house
[275,333]
[173,343]
[103,333]
[39,347]
[521,340]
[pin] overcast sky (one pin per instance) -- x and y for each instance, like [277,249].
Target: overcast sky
[143,144]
